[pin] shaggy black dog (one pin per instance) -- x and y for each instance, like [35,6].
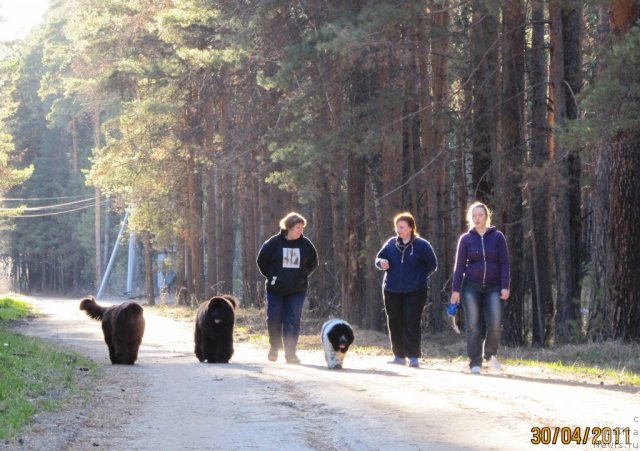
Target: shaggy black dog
[337,335]
[123,328]
[215,319]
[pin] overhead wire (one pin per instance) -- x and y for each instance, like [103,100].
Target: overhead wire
[55,213]
[2,199]
[49,207]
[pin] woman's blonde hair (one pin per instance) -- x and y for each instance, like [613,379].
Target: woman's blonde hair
[470,213]
[408,218]
[292,219]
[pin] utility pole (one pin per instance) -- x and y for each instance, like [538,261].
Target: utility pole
[113,255]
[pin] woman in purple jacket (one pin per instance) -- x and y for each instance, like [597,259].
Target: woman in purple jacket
[481,277]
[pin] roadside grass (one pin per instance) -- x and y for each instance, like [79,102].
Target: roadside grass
[34,375]
[612,362]
[12,309]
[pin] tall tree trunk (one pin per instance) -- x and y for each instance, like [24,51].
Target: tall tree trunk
[412,128]
[322,283]
[181,271]
[189,292]
[572,39]
[226,236]
[392,161]
[226,196]
[484,55]
[426,118]
[353,279]
[438,193]
[624,287]
[353,282]
[73,129]
[148,269]
[211,240]
[336,177]
[537,181]
[601,311]
[210,201]
[622,14]
[194,189]
[462,170]
[567,256]
[511,157]
[249,230]
[372,308]
[197,149]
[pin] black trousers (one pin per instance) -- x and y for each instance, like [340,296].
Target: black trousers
[404,315]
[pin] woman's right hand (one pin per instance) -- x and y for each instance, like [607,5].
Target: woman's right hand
[384,264]
[455,297]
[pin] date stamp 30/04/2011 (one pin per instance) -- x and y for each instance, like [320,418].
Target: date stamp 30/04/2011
[551,435]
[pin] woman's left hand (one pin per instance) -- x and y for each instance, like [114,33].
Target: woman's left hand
[504,294]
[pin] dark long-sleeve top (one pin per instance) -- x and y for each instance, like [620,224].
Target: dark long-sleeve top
[287,264]
[410,264]
[483,259]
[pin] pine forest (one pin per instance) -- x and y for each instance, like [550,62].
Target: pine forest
[202,123]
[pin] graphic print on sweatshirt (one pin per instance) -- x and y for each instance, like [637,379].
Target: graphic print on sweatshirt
[290,257]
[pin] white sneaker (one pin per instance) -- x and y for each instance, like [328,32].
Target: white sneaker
[475,370]
[495,365]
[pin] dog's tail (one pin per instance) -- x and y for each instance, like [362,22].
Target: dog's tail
[91,307]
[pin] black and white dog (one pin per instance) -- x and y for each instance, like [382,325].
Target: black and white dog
[337,335]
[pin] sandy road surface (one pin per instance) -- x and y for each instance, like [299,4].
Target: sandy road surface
[170,401]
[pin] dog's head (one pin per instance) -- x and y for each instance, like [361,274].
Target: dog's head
[341,337]
[221,310]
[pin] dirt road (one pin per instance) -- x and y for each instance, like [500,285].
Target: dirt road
[170,401]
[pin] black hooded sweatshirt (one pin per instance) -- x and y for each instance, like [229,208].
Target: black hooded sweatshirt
[287,263]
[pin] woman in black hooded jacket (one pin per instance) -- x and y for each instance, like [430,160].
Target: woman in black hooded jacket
[286,260]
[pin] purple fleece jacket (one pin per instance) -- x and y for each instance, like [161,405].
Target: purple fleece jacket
[482,259]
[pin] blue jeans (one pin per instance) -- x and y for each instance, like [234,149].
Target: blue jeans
[477,299]
[283,320]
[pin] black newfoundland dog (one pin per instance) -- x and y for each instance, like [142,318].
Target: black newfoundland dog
[337,335]
[123,328]
[215,319]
